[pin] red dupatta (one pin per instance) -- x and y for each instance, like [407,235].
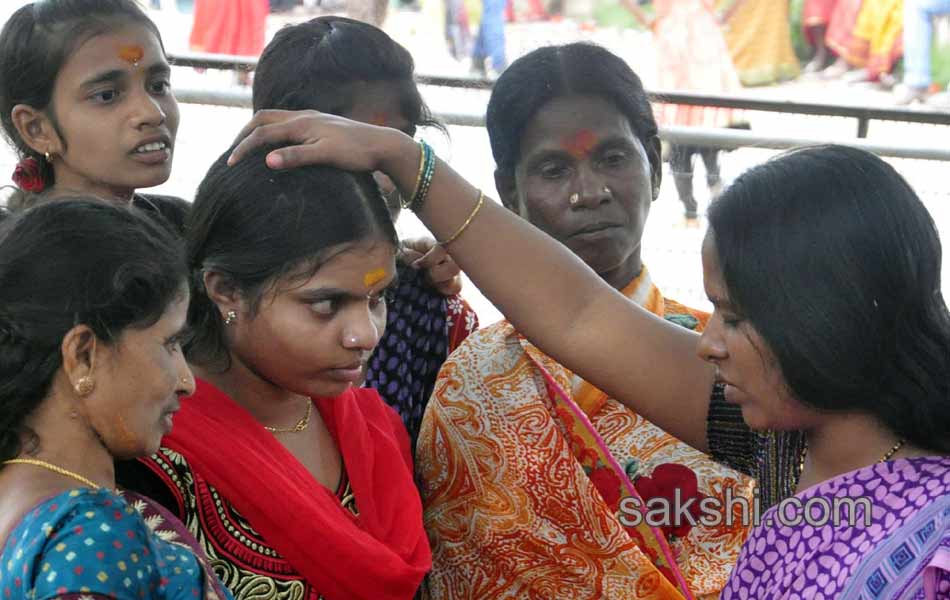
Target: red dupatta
[382,554]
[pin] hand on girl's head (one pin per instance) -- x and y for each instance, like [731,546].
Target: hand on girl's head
[312,138]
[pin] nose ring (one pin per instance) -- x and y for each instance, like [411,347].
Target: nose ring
[575,199]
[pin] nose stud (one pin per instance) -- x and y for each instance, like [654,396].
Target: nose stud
[574,199]
[607,190]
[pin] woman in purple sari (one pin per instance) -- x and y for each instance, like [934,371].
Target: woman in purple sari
[824,371]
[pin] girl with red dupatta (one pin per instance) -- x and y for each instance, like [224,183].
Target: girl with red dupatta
[296,483]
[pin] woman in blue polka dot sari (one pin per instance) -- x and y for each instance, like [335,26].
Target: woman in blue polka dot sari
[91,370]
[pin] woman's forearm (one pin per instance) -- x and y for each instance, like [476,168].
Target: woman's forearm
[547,292]
[555,300]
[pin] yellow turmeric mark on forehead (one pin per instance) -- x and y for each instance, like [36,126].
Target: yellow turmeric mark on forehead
[131,54]
[374,277]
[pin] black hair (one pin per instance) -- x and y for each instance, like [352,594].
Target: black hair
[256,226]
[35,44]
[552,72]
[831,256]
[66,263]
[308,66]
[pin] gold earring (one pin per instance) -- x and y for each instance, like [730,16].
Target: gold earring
[85,386]
[231,317]
[575,199]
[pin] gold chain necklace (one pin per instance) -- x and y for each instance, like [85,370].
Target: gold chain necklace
[51,467]
[887,455]
[301,424]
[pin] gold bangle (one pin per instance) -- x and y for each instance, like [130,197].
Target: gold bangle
[406,203]
[468,221]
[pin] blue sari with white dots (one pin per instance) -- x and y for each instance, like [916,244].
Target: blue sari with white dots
[94,543]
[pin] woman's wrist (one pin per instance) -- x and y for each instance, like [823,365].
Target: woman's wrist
[398,157]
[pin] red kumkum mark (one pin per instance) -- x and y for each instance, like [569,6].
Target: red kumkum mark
[580,144]
[131,54]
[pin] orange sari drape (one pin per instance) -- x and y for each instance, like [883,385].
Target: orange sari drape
[511,502]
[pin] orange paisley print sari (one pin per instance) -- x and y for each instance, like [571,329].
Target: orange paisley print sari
[517,503]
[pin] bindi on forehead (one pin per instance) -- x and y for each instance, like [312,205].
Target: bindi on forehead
[131,54]
[373,277]
[581,144]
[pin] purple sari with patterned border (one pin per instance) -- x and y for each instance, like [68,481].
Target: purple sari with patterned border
[897,550]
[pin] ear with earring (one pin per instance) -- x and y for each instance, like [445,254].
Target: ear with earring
[86,384]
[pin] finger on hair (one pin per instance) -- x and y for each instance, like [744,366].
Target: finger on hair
[264,117]
[297,156]
[264,135]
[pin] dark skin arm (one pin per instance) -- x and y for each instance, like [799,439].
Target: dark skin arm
[546,291]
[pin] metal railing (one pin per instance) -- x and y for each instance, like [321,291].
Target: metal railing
[863,114]
[720,138]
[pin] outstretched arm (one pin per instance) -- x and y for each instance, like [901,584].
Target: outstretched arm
[548,293]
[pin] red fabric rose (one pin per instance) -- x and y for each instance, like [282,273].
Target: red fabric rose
[663,483]
[28,177]
[608,484]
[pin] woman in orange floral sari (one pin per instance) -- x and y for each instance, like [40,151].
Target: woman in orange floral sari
[526,469]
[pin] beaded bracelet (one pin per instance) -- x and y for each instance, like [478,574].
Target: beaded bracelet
[468,221]
[423,180]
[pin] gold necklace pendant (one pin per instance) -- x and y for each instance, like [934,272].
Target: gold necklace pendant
[301,424]
[54,468]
